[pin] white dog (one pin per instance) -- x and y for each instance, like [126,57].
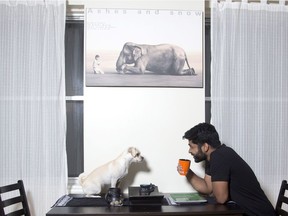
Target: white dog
[109,173]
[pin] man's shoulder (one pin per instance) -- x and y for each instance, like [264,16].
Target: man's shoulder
[224,150]
[224,147]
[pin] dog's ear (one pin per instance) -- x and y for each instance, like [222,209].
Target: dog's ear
[133,151]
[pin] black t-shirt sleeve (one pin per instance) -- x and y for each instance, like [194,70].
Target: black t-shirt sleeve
[207,168]
[219,168]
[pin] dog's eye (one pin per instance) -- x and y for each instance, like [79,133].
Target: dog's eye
[138,154]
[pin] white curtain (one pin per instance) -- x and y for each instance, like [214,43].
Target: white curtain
[249,85]
[32,99]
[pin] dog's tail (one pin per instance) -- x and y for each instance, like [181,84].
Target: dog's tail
[81,178]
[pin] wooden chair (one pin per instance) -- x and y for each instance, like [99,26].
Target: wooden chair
[13,194]
[282,199]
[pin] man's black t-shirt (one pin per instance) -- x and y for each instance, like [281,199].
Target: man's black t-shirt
[244,189]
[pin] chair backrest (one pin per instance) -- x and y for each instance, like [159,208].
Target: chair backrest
[282,199]
[13,200]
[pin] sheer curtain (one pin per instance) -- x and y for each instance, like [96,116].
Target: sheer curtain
[32,99]
[249,85]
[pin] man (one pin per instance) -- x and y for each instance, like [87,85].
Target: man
[227,175]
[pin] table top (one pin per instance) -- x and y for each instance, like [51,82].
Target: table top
[195,209]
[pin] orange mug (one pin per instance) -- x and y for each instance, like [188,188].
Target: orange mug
[185,164]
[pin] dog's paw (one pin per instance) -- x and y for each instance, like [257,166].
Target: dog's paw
[116,203]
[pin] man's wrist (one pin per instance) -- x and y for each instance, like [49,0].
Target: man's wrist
[189,174]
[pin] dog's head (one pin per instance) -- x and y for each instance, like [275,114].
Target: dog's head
[136,154]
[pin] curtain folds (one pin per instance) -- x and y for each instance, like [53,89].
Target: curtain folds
[32,99]
[249,85]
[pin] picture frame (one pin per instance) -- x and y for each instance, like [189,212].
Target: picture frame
[143,48]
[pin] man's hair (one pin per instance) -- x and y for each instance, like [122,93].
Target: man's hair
[203,133]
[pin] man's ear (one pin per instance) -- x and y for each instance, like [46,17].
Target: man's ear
[206,147]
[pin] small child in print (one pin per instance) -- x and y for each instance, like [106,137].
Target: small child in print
[96,65]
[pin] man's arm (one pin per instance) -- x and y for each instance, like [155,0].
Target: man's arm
[220,191]
[206,186]
[202,185]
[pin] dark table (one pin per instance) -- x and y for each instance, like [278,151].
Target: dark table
[209,208]
[193,210]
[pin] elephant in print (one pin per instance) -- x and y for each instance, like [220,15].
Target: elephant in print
[160,59]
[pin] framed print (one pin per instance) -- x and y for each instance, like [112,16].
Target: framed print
[144,48]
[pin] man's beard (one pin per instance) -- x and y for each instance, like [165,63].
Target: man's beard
[200,156]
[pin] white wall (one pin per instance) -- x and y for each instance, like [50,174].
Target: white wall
[151,119]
